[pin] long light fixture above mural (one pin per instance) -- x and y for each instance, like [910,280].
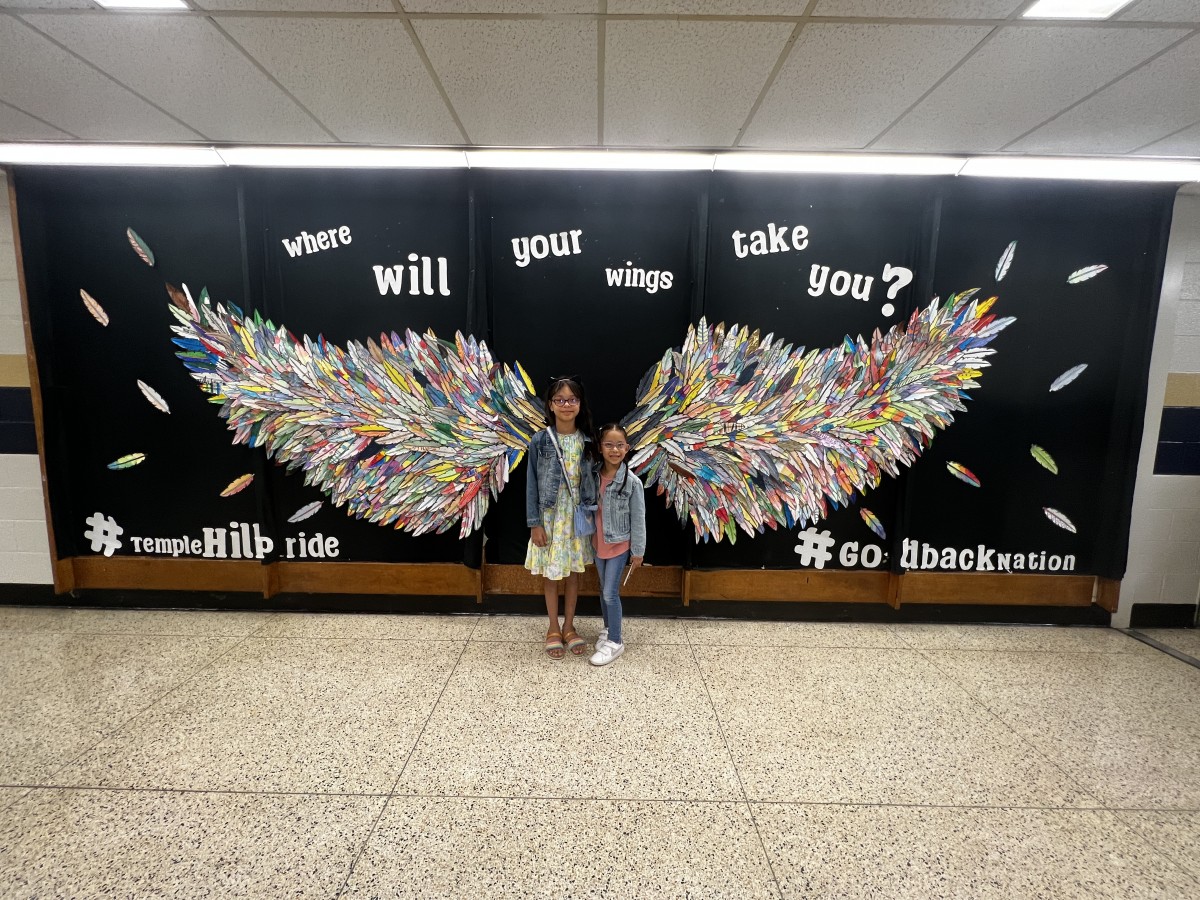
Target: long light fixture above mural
[996,166]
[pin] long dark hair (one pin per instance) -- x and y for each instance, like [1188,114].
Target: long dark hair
[605,429]
[583,421]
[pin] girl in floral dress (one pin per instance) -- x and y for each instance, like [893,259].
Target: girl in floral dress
[558,479]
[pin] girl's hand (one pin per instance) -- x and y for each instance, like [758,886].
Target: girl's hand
[635,561]
[538,535]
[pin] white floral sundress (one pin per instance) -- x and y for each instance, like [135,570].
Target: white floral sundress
[565,552]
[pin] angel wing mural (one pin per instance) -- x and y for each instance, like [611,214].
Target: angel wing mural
[736,430]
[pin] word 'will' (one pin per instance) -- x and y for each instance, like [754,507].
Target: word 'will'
[420,277]
[326,239]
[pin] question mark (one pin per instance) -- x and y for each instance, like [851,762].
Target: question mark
[903,277]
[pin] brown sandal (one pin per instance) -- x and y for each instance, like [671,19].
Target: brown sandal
[554,645]
[575,643]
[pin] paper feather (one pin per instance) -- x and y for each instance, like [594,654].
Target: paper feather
[94,308]
[154,397]
[1067,377]
[140,247]
[1006,259]
[1084,274]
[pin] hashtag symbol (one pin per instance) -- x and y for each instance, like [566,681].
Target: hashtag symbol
[103,533]
[814,548]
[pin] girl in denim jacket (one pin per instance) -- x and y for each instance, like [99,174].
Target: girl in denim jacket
[558,478]
[620,536]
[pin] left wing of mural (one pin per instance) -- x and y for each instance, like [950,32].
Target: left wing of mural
[415,431]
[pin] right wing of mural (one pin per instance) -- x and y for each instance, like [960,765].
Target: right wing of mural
[740,431]
[414,432]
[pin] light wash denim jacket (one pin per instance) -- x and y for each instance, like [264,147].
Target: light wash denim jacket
[544,477]
[624,509]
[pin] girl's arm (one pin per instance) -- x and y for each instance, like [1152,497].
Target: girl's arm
[533,509]
[637,518]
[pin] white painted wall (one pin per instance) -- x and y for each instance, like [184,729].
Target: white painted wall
[1164,539]
[24,545]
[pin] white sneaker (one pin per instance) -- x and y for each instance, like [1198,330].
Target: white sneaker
[606,653]
[602,638]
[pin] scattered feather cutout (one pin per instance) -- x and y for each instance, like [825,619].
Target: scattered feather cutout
[873,523]
[140,247]
[238,485]
[1044,459]
[154,397]
[1059,519]
[1084,274]
[961,472]
[127,462]
[306,512]
[1067,377]
[1006,259]
[94,308]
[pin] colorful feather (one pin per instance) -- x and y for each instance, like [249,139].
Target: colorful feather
[1043,458]
[154,397]
[127,462]
[873,523]
[744,432]
[1067,377]
[94,308]
[140,247]
[1006,259]
[962,473]
[238,485]
[306,512]
[1084,274]
[1059,519]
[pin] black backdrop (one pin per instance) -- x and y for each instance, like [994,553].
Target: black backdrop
[225,230]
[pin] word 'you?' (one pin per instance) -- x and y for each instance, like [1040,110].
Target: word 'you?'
[787,239]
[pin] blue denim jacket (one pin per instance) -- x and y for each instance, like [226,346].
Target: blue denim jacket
[544,477]
[624,509]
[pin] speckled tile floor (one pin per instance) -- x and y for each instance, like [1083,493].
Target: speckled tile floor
[200,754]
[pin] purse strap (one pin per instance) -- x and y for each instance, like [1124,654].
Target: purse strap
[562,463]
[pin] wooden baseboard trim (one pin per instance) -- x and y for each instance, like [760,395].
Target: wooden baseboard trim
[996,590]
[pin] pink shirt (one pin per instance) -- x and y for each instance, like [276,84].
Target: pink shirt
[604,549]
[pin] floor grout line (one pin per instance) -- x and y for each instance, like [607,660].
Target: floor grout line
[411,750]
[129,719]
[733,762]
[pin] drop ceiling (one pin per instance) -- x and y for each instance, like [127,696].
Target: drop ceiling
[895,75]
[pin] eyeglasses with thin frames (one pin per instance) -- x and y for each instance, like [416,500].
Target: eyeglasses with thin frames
[611,446]
[565,401]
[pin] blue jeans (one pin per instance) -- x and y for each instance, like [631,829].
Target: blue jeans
[610,571]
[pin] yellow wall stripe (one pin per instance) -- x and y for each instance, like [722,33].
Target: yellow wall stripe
[1183,389]
[14,371]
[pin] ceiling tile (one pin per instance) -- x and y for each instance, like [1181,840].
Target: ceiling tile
[842,84]
[919,9]
[709,7]
[685,84]
[520,82]
[361,77]
[1148,104]
[16,126]
[503,6]
[1017,80]
[47,4]
[50,83]
[1163,11]
[1183,143]
[376,6]
[187,67]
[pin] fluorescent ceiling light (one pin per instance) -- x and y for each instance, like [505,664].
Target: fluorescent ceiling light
[589,159]
[848,163]
[343,157]
[1084,168]
[108,155]
[143,4]
[1073,9]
